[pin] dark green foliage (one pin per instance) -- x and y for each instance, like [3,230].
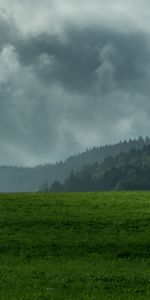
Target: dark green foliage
[14,179]
[56,186]
[127,171]
[75,246]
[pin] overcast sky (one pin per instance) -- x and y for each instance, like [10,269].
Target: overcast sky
[73,74]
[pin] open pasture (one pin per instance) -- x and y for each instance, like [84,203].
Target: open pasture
[75,246]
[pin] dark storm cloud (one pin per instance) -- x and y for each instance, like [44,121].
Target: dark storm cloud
[8,30]
[73,62]
[63,91]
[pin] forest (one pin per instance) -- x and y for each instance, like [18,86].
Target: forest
[125,171]
[40,177]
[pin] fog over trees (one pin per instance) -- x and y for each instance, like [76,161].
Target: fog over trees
[32,179]
[126,171]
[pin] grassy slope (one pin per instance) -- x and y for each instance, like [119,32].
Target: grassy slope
[75,246]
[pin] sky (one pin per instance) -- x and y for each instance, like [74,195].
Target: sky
[73,74]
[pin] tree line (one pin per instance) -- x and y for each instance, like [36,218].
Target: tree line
[126,171]
[29,179]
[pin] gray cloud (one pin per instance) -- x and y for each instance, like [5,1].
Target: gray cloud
[78,83]
[76,62]
[52,15]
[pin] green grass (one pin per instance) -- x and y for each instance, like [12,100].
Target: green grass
[75,246]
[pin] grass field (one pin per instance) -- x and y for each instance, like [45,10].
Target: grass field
[75,246]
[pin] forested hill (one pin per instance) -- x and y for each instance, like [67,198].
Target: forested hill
[98,154]
[126,171]
[14,179]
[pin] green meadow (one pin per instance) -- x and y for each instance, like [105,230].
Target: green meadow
[73,246]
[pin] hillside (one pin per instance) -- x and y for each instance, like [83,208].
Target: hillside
[19,179]
[126,171]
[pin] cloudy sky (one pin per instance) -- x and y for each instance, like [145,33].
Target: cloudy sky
[73,74]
